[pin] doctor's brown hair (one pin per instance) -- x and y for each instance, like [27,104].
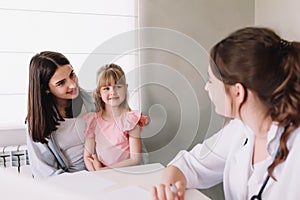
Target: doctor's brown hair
[269,66]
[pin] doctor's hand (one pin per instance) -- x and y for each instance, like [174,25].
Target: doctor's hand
[169,192]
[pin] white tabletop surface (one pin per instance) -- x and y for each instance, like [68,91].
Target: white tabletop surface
[17,187]
[124,183]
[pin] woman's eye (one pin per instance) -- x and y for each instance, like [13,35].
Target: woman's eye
[72,74]
[60,83]
[119,86]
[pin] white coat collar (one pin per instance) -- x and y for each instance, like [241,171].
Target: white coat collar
[241,163]
[273,137]
[243,158]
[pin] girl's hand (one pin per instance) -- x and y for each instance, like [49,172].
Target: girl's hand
[95,162]
[165,192]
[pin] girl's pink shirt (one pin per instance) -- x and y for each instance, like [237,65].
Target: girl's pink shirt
[111,137]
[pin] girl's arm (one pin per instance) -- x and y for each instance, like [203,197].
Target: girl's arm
[135,146]
[89,154]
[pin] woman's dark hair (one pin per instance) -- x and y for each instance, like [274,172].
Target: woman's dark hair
[267,65]
[42,114]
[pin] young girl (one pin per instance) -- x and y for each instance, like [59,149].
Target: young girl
[255,80]
[56,106]
[113,132]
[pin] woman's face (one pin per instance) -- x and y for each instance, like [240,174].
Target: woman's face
[64,83]
[218,95]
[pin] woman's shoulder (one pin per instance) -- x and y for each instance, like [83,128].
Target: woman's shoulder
[234,123]
[86,95]
[88,99]
[233,131]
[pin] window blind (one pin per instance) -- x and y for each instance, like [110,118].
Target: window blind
[75,28]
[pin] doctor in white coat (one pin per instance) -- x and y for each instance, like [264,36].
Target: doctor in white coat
[254,78]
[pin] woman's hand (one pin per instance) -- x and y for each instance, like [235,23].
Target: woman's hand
[169,192]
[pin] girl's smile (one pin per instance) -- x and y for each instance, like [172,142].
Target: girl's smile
[114,98]
[113,95]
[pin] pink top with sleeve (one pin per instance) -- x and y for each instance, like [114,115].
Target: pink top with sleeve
[111,137]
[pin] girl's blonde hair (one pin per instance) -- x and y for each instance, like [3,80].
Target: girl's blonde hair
[107,75]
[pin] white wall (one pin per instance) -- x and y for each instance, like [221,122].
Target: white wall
[12,136]
[282,16]
[84,31]
[174,59]
[76,28]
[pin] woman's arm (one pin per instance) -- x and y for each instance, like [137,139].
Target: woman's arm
[42,161]
[203,166]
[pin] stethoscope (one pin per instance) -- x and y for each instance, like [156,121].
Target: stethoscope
[258,196]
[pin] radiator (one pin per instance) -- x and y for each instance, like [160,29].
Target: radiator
[14,157]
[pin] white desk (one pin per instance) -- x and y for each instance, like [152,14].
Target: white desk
[114,184]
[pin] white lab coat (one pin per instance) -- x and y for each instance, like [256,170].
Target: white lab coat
[227,157]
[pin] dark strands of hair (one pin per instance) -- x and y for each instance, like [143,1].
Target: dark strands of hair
[43,117]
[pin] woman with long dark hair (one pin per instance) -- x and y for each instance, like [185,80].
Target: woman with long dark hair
[56,105]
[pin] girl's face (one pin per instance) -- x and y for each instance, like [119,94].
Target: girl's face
[113,95]
[218,95]
[64,83]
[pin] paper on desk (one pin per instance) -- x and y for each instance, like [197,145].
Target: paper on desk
[129,192]
[81,183]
